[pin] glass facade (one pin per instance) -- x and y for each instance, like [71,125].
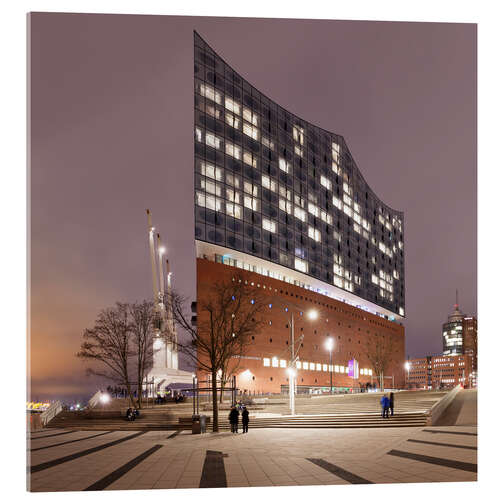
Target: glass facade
[276,187]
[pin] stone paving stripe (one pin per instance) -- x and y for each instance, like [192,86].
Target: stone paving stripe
[214,473]
[176,433]
[435,460]
[50,435]
[67,458]
[339,472]
[452,432]
[72,441]
[118,473]
[443,444]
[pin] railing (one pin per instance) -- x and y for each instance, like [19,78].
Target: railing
[51,412]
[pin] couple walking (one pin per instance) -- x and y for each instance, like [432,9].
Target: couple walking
[234,416]
[387,404]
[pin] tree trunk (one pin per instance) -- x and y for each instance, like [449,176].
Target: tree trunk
[215,412]
[382,381]
[222,385]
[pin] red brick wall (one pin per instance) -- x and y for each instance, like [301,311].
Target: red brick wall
[348,325]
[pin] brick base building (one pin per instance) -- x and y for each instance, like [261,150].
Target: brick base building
[263,367]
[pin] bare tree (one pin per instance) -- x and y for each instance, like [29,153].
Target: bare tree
[379,351]
[109,344]
[228,315]
[142,327]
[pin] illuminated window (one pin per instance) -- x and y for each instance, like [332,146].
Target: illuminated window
[210,93]
[267,362]
[326,182]
[313,209]
[251,131]
[325,368]
[232,105]
[286,193]
[275,362]
[269,225]
[284,165]
[298,134]
[341,369]
[212,203]
[199,136]
[249,116]
[300,265]
[325,217]
[285,205]
[337,368]
[337,202]
[282,363]
[298,150]
[251,203]
[210,187]
[211,171]
[269,144]
[314,233]
[305,365]
[233,180]
[335,152]
[232,120]
[268,183]
[249,159]
[299,213]
[233,210]
[298,364]
[233,150]
[213,111]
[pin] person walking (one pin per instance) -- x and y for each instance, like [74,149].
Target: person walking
[245,418]
[391,403]
[234,415]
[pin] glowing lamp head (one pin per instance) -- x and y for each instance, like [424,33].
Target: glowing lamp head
[161,250]
[313,314]
[291,372]
[329,344]
[105,398]
[407,366]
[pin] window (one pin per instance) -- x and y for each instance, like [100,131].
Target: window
[298,364]
[337,202]
[210,187]
[325,217]
[282,363]
[233,150]
[199,136]
[249,116]
[249,159]
[213,111]
[269,225]
[286,193]
[299,213]
[298,134]
[212,203]
[325,368]
[305,365]
[335,153]
[233,195]
[275,362]
[210,93]
[209,170]
[232,105]
[233,210]
[326,182]
[300,265]
[266,142]
[314,233]
[313,209]
[284,165]
[267,362]
[251,203]
[268,183]
[232,120]
[285,205]
[251,131]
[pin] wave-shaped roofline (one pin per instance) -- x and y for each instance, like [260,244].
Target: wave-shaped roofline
[391,209]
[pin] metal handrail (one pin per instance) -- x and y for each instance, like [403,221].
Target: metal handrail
[51,412]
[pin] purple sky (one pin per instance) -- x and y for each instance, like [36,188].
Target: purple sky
[111,135]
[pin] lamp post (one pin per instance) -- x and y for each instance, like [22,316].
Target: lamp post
[329,346]
[312,314]
[407,367]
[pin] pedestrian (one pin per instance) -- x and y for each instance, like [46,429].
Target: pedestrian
[245,419]
[234,415]
[384,402]
[391,403]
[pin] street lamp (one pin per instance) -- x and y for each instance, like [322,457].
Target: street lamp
[329,346]
[312,314]
[407,367]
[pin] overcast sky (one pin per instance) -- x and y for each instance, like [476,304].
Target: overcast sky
[112,135]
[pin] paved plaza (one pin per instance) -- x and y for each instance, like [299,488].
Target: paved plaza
[63,460]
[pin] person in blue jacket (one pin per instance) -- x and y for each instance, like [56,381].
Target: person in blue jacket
[385,403]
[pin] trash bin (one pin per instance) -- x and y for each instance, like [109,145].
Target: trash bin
[195,426]
[203,424]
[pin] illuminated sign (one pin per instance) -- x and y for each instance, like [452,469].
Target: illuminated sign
[353,368]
